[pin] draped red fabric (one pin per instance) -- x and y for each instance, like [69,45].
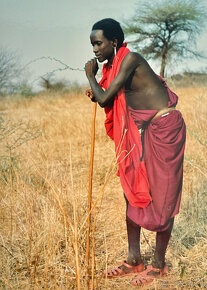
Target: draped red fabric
[121,127]
[161,172]
[164,145]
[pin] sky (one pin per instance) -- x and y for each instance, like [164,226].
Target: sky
[60,29]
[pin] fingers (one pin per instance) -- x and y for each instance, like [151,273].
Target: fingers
[89,93]
[92,61]
[91,67]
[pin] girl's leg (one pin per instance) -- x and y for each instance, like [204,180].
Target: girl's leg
[162,240]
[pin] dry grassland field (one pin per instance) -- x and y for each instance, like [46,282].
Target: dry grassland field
[45,155]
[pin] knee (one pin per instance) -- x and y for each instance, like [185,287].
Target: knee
[131,223]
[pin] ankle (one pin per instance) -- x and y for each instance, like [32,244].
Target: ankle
[134,261]
[158,263]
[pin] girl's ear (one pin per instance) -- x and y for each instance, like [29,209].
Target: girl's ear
[115,42]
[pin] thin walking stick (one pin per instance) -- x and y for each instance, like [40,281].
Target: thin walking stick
[90,192]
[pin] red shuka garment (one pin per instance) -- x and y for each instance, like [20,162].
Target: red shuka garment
[164,143]
[121,127]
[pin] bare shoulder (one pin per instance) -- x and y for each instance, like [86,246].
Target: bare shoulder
[134,56]
[131,61]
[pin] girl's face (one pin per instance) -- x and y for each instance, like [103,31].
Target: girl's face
[102,47]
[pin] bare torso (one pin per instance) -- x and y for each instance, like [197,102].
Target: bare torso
[144,90]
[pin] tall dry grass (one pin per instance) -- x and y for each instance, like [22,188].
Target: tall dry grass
[45,156]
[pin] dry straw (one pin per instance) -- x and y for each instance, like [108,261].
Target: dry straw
[44,184]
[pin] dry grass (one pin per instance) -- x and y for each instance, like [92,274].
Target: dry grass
[43,197]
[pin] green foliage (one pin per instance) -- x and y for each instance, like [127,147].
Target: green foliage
[188,79]
[60,86]
[164,29]
[24,90]
[53,85]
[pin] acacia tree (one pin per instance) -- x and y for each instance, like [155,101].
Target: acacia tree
[166,29]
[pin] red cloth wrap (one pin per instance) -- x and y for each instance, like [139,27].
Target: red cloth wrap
[164,144]
[121,127]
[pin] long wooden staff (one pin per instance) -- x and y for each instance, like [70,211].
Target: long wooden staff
[90,192]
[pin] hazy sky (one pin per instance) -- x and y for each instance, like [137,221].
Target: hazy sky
[60,29]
